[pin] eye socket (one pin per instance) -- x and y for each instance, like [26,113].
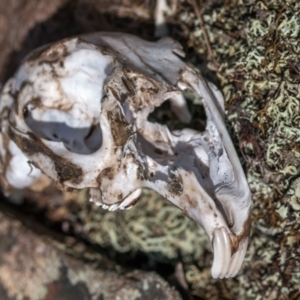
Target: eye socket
[85,140]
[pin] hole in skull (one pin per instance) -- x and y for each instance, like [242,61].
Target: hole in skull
[178,144]
[158,151]
[164,115]
[85,140]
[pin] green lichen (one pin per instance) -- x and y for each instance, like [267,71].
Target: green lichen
[256,54]
[152,226]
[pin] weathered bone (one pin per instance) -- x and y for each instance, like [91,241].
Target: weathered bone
[77,110]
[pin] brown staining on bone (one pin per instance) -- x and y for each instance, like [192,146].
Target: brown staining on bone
[120,128]
[55,54]
[66,171]
[128,85]
[148,94]
[236,239]
[19,94]
[114,93]
[142,172]
[144,93]
[4,164]
[176,185]
[192,201]
[36,54]
[5,114]
[108,173]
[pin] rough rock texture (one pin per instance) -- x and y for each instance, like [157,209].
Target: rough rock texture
[253,55]
[16,19]
[33,266]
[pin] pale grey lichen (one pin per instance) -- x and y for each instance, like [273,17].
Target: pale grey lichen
[256,58]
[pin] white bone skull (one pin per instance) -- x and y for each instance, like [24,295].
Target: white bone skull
[77,110]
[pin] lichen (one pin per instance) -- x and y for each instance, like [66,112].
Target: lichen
[152,227]
[256,51]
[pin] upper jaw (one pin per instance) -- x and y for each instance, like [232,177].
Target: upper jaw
[229,237]
[229,242]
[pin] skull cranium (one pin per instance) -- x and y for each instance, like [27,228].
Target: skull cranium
[77,110]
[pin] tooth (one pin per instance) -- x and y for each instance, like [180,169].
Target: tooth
[227,253]
[234,261]
[95,194]
[113,207]
[237,259]
[134,195]
[104,206]
[222,253]
[240,258]
[217,263]
[128,207]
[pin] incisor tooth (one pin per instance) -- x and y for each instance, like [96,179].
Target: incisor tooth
[217,263]
[113,207]
[222,253]
[241,257]
[237,259]
[233,263]
[218,254]
[226,253]
[133,196]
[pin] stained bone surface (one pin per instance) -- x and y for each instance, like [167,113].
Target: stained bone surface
[77,111]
